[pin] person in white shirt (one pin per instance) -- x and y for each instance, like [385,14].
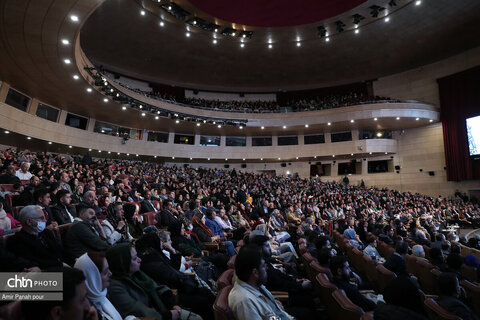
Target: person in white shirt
[23,173]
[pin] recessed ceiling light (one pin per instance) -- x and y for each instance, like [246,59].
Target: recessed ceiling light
[418,2]
[241,127]
[369,153]
[306,126]
[191,158]
[198,124]
[270,46]
[67,61]
[243,159]
[143,114]
[109,152]
[214,41]
[284,127]
[187,34]
[261,159]
[89,149]
[111,90]
[329,124]
[262,127]
[142,12]
[357,31]
[216,30]
[333,155]
[158,112]
[219,126]
[208,159]
[169,7]
[387,19]
[7,132]
[136,155]
[327,39]
[156,117]
[70,147]
[375,119]
[50,142]
[99,151]
[155,157]
[214,122]
[162,23]
[105,100]
[128,154]
[351,154]
[103,131]
[29,138]
[204,121]
[65,42]
[177,121]
[386,152]
[315,157]
[278,158]
[398,118]
[118,153]
[74,18]
[173,158]
[379,134]
[226,159]
[233,34]
[124,108]
[352,121]
[140,106]
[76,77]
[89,89]
[242,45]
[417,119]
[431,120]
[296,158]
[298,44]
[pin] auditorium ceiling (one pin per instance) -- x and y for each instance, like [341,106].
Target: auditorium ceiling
[120,38]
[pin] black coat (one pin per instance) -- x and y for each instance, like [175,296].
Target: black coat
[457,307]
[146,206]
[43,249]
[60,214]
[354,295]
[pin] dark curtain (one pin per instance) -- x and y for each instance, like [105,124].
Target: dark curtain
[459,99]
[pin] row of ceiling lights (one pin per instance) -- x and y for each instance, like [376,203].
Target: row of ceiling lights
[173,158]
[322,31]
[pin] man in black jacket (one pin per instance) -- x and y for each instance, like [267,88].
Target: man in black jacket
[449,297]
[147,205]
[34,242]
[62,212]
[166,217]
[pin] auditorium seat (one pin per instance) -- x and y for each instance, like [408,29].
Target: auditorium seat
[385,276]
[317,268]
[11,311]
[344,308]
[150,218]
[6,187]
[425,277]
[435,312]
[16,211]
[231,262]
[221,309]
[225,279]
[370,270]
[325,290]
[469,272]
[473,293]
[411,262]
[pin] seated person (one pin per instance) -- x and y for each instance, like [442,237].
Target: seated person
[341,278]
[86,233]
[249,299]
[62,212]
[115,227]
[135,221]
[387,235]
[7,223]
[132,291]
[353,238]
[34,242]
[205,234]
[183,242]
[371,250]
[74,305]
[95,268]
[396,262]
[449,289]
[419,252]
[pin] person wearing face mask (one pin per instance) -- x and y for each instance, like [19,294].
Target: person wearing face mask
[34,242]
[132,291]
[86,233]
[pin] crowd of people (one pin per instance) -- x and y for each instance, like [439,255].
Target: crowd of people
[127,265]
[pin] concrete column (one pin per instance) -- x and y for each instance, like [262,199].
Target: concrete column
[91,124]
[145,135]
[171,137]
[249,141]
[4,91]
[33,106]
[301,140]
[196,140]
[355,135]
[328,137]
[274,141]
[62,117]
[223,141]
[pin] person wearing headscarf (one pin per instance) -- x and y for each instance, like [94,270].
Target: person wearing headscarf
[353,239]
[5,222]
[133,292]
[97,279]
[135,222]
[115,226]
[201,230]
[182,241]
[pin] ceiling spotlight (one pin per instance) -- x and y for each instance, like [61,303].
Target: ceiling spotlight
[242,45]
[187,34]
[76,77]
[296,158]
[226,159]
[136,155]
[142,12]
[67,61]
[177,121]
[74,18]
[214,41]
[156,117]
[284,127]
[208,159]
[387,19]
[329,124]
[111,90]
[351,154]
[70,147]
[306,126]
[118,153]
[198,124]
[418,2]
[124,108]
[204,121]
[173,158]
[65,42]
[99,151]
[194,22]
[89,89]
[262,127]
[109,152]
[143,114]
[261,159]
[216,30]
[50,142]
[105,100]
[89,149]
[386,152]
[155,157]
[219,126]
[241,127]
[375,119]
[398,118]
[214,122]
[298,44]
[379,134]
[315,157]
[191,158]
[7,132]
[333,156]
[417,119]
[327,39]
[128,154]
[270,46]
[158,112]
[357,31]
[430,120]
[169,7]
[278,158]
[352,121]
[118,95]
[140,106]
[162,23]
[369,153]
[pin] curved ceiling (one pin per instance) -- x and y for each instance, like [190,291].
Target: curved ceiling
[118,37]
[278,13]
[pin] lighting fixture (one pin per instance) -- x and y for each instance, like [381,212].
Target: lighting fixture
[418,2]
[242,45]
[379,134]
[270,46]
[191,158]
[430,120]
[284,127]
[386,152]
[177,121]
[241,127]
[128,154]
[118,153]
[398,118]
[262,127]
[173,158]
[357,31]
[136,155]
[375,119]
[99,151]
[74,18]
[67,61]
[89,89]
[155,157]
[105,100]
[329,124]
[143,114]
[7,132]
[333,156]
[158,112]
[208,159]
[417,119]
[226,159]
[198,124]
[219,126]
[65,42]
[298,44]
[351,154]
[214,41]
[278,158]
[124,108]
[156,117]
[327,39]
[142,12]
[89,149]
[162,23]
[50,142]
[140,106]
[352,121]
[261,159]
[243,159]
[70,147]
[387,19]
[369,153]
[76,77]
[187,34]
[306,126]
[296,158]
[109,152]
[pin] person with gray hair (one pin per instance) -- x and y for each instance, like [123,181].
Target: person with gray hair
[34,242]
[417,251]
[23,173]
[90,200]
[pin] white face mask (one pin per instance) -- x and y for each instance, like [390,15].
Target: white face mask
[190,227]
[40,226]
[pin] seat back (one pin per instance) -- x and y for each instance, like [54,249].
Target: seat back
[473,293]
[11,311]
[370,270]
[385,276]
[427,251]
[231,262]
[16,211]
[225,279]
[6,187]
[150,218]
[344,307]
[411,262]
[221,309]
[317,268]
[469,272]
[435,312]
[425,277]
[325,290]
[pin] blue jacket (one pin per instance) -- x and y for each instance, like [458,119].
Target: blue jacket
[215,227]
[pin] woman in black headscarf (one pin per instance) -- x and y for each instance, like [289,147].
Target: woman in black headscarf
[183,243]
[132,291]
[135,222]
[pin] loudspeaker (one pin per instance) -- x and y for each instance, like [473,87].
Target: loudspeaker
[334,161]
[391,157]
[289,163]
[195,92]
[397,167]
[309,162]
[226,166]
[244,165]
[431,173]
[283,164]
[421,170]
